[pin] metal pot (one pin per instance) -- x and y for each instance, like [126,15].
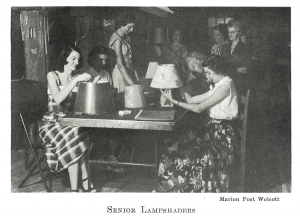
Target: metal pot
[94,98]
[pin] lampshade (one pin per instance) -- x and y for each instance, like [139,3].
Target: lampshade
[94,98]
[166,77]
[151,70]
[134,97]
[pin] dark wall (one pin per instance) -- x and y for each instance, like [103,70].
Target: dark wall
[268,30]
[17,47]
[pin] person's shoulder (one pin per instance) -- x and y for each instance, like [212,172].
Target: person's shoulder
[114,37]
[52,74]
[243,45]
[104,72]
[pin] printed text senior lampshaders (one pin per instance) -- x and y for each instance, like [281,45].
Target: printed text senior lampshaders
[144,209]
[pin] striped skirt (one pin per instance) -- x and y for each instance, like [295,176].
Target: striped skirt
[64,145]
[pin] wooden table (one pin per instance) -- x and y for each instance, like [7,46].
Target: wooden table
[116,121]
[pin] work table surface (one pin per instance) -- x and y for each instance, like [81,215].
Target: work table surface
[114,120]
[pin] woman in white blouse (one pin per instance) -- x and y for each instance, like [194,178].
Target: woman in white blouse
[206,154]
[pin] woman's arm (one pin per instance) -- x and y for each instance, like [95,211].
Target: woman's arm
[136,76]
[60,95]
[195,99]
[221,93]
[120,64]
[189,99]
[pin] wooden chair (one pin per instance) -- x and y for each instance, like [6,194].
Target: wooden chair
[243,105]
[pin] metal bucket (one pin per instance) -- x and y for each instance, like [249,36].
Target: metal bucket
[94,98]
[134,97]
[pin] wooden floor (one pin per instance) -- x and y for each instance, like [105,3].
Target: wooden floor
[135,179]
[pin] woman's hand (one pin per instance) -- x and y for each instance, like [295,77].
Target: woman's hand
[164,93]
[83,77]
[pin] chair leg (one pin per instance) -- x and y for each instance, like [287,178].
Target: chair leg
[34,156]
[89,167]
[26,156]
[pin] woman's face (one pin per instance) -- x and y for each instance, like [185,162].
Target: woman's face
[217,36]
[196,67]
[177,36]
[73,60]
[128,28]
[233,33]
[210,74]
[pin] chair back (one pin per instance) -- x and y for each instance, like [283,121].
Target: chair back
[243,106]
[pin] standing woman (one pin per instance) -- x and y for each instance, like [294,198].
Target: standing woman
[179,54]
[177,46]
[123,74]
[65,145]
[220,37]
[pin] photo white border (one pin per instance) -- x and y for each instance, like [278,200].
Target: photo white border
[56,204]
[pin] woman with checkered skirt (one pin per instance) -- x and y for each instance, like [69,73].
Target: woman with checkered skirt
[65,145]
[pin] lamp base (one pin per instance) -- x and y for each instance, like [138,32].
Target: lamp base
[164,102]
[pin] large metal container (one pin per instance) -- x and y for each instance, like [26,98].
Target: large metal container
[94,98]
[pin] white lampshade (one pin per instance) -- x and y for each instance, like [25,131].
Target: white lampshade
[166,77]
[151,70]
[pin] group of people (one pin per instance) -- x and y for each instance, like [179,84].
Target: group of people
[209,157]
[66,146]
[202,158]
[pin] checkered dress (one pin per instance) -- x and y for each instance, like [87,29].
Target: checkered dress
[64,144]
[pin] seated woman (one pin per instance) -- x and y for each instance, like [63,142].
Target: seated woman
[97,60]
[65,145]
[201,160]
[197,82]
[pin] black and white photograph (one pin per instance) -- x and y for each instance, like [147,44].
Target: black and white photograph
[150,110]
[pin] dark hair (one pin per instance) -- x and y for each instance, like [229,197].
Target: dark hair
[95,52]
[62,58]
[181,33]
[124,19]
[223,30]
[217,64]
[177,30]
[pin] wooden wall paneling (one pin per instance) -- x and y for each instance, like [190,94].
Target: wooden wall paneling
[84,38]
[34,35]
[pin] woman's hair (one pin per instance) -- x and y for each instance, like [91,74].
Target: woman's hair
[93,56]
[180,31]
[62,58]
[198,56]
[124,19]
[217,64]
[223,30]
